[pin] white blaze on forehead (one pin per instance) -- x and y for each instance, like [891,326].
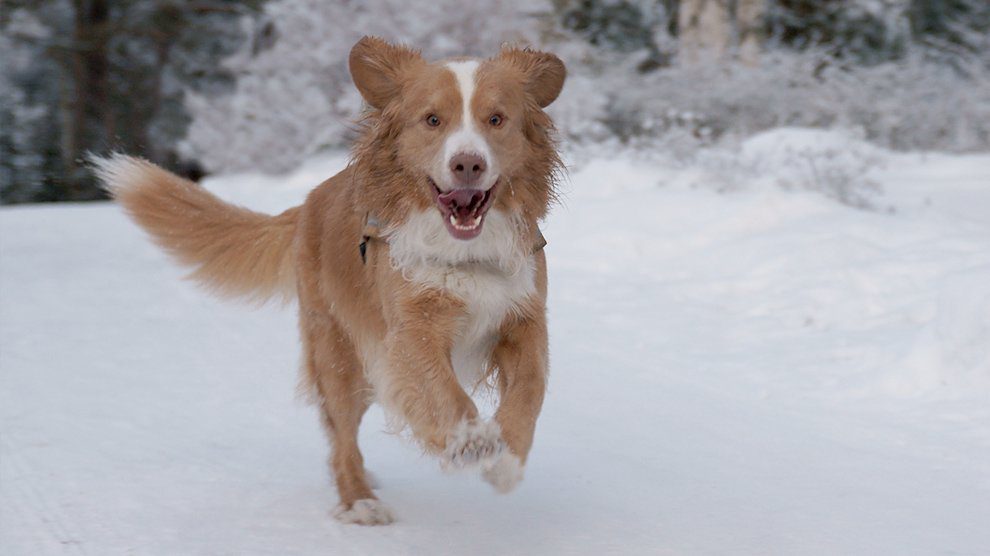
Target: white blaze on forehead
[464,72]
[466,138]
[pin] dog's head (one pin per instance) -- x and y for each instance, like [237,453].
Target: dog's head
[464,135]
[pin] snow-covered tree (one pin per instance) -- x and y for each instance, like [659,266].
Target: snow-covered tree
[92,75]
[296,98]
[145,75]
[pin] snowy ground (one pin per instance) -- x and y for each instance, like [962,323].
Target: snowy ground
[757,371]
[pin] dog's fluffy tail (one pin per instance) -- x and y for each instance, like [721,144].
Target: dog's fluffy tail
[233,251]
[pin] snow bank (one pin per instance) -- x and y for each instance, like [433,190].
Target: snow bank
[788,253]
[745,370]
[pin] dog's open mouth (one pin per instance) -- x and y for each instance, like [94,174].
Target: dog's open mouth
[463,210]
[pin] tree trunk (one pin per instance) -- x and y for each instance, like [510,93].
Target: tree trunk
[749,21]
[705,30]
[90,125]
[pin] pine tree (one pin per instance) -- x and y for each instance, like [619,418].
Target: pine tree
[94,75]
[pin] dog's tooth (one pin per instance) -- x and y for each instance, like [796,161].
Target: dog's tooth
[475,222]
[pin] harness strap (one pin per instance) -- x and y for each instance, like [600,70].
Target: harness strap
[371,229]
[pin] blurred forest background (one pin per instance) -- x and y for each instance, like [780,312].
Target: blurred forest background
[210,86]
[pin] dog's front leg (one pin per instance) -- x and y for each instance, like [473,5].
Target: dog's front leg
[421,387]
[521,358]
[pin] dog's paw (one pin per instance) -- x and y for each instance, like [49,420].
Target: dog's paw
[473,443]
[504,473]
[367,511]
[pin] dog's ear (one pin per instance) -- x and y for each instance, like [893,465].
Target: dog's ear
[378,67]
[543,73]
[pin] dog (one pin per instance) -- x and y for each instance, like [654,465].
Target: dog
[418,269]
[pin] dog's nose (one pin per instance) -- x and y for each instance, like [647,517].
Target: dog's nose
[467,168]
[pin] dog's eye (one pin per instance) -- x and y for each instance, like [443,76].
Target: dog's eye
[432,120]
[495,120]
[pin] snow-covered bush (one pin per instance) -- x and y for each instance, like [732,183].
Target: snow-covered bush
[906,74]
[912,103]
[831,163]
[835,164]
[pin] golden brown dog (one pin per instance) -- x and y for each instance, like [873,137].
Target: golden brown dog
[418,268]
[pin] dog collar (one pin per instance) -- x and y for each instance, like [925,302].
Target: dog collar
[373,226]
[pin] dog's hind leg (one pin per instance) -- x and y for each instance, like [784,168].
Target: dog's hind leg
[334,371]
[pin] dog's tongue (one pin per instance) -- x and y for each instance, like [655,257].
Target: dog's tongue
[462,202]
[463,211]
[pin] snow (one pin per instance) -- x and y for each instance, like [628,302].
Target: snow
[757,370]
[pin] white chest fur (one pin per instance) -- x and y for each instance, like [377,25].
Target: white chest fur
[492,274]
